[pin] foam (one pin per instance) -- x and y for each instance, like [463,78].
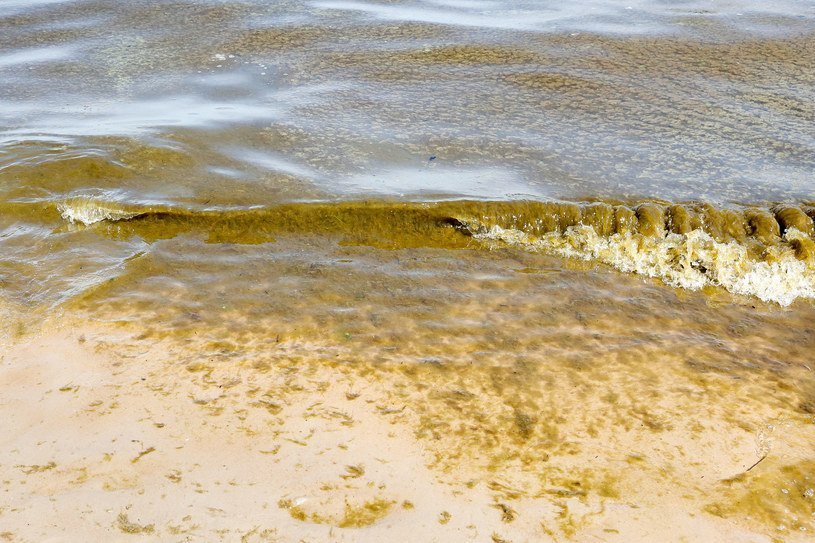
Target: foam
[691,261]
[88,211]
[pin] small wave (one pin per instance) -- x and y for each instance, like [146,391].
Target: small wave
[766,252]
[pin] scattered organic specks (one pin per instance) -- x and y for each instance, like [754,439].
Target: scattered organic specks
[353,472]
[36,468]
[125,525]
[141,454]
[508,514]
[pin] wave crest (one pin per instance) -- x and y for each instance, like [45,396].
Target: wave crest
[693,260]
[90,211]
[766,252]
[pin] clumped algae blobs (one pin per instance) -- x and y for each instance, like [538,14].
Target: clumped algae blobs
[793,217]
[126,526]
[781,498]
[354,516]
[601,216]
[366,514]
[682,219]
[651,220]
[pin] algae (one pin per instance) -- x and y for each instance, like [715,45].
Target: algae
[126,526]
[37,468]
[781,498]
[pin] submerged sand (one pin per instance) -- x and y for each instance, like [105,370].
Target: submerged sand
[110,436]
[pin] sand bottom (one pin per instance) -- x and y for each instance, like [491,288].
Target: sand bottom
[110,438]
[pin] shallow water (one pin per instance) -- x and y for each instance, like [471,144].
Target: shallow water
[488,203]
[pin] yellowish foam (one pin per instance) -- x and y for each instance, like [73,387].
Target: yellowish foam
[692,261]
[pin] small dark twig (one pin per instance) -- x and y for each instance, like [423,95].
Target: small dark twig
[757,463]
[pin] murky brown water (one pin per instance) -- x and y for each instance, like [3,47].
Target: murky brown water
[545,230]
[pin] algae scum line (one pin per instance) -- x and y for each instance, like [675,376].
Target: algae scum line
[767,252]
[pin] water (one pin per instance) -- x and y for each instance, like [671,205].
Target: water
[510,200]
